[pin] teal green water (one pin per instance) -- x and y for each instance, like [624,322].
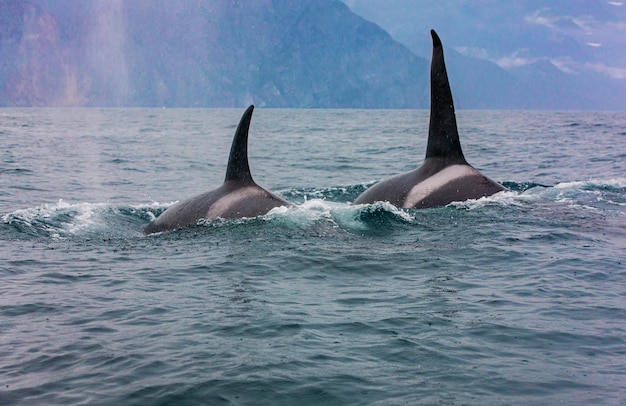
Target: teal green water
[519,298]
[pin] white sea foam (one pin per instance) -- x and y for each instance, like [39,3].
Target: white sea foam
[337,214]
[615,182]
[307,212]
[63,219]
[505,198]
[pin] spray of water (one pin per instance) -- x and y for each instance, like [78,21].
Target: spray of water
[106,52]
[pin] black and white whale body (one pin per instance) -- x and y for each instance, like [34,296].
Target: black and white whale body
[238,197]
[445,176]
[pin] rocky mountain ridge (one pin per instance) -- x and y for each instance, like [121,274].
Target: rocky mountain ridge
[229,53]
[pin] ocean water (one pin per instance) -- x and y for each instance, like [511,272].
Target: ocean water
[519,298]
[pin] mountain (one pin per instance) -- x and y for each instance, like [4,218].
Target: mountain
[519,54]
[562,54]
[479,84]
[274,53]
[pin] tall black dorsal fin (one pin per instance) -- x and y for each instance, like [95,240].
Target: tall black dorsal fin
[443,135]
[238,169]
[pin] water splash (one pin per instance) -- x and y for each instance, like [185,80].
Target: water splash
[63,220]
[330,208]
[107,55]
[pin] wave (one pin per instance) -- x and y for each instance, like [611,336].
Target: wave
[599,194]
[62,219]
[616,184]
[329,208]
[345,216]
[503,199]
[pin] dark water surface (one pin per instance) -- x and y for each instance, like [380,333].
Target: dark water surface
[519,298]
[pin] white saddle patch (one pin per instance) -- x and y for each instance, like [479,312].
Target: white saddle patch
[223,204]
[431,184]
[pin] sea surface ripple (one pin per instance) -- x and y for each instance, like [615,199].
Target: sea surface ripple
[519,298]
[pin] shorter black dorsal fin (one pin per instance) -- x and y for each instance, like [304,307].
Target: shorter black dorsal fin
[443,135]
[238,169]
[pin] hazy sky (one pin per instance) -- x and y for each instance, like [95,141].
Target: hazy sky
[574,35]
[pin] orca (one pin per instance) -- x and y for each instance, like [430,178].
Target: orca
[239,196]
[444,176]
